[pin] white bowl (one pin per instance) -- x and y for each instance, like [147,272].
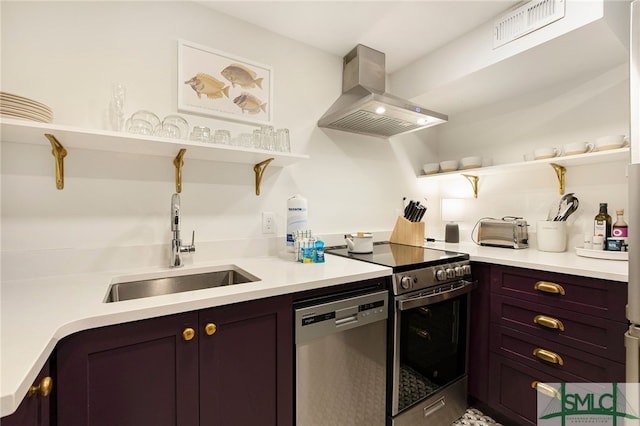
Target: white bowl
[448,165]
[610,142]
[471,162]
[430,168]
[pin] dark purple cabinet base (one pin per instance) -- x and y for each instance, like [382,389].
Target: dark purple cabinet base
[542,327]
[34,410]
[221,366]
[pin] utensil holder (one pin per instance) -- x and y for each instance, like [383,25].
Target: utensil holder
[406,232]
[551,235]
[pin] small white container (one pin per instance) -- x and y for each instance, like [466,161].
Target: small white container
[359,242]
[449,165]
[430,168]
[471,162]
[542,153]
[551,235]
[610,142]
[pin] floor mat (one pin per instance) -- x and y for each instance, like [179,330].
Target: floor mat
[475,417]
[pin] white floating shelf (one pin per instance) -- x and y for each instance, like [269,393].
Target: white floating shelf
[29,132]
[613,155]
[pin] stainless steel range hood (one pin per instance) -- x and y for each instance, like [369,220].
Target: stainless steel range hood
[365,108]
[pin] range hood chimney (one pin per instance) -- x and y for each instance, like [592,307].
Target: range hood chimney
[365,108]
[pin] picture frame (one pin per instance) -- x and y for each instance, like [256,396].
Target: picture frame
[221,85]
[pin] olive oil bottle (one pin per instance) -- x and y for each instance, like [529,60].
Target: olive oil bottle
[602,222]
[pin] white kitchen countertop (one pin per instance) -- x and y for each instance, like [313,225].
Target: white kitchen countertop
[38,312]
[567,262]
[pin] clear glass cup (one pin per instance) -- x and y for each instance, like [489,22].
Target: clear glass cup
[116,106]
[202,134]
[283,142]
[139,127]
[257,139]
[167,130]
[245,140]
[147,116]
[268,140]
[180,123]
[222,137]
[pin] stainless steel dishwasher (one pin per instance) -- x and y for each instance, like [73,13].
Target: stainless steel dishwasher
[341,349]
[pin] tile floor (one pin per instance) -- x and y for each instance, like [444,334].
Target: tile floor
[475,417]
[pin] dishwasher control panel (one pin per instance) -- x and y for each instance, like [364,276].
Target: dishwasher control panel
[320,320]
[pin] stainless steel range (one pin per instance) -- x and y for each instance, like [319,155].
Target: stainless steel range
[428,332]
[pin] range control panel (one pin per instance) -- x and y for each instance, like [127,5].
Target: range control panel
[418,279]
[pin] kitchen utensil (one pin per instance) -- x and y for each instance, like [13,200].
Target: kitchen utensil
[551,235]
[542,153]
[575,148]
[360,242]
[610,142]
[414,211]
[567,205]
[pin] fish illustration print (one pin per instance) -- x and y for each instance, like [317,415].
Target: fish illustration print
[249,103]
[204,84]
[242,76]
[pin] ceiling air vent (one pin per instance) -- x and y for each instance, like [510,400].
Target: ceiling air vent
[526,18]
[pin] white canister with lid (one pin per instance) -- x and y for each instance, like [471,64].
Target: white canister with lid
[296,218]
[360,242]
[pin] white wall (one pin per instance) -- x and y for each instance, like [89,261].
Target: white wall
[67,55]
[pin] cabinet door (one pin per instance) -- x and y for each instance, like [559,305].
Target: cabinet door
[246,365]
[139,373]
[479,332]
[34,410]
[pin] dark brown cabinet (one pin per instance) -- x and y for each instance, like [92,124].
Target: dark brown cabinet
[550,327]
[229,365]
[35,408]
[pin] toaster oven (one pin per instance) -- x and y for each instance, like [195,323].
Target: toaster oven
[509,232]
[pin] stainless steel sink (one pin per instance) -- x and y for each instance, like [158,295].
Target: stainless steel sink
[177,284]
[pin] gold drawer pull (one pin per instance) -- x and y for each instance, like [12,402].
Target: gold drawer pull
[545,389]
[549,287]
[43,389]
[548,322]
[188,334]
[210,329]
[548,356]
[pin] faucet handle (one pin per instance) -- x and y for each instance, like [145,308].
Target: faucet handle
[191,247]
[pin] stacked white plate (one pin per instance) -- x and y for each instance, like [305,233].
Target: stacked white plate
[14,106]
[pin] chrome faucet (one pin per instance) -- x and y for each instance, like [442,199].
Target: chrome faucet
[176,243]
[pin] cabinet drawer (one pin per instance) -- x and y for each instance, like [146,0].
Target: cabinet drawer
[600,298]
[510,391]
[594,335]
[568,363]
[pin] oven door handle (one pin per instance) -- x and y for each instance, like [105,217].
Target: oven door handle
[416,302]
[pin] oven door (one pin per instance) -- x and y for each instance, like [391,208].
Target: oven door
[429,349]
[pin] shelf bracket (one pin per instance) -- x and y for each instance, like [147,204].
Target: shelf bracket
[178,162]
[473,180]
[560,172]
[259,169]
[59,153]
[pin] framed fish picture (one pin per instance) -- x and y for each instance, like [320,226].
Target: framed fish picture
[221,85]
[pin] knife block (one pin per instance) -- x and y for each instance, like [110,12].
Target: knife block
[406,232]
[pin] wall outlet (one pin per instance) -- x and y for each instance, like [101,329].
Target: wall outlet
[268,223]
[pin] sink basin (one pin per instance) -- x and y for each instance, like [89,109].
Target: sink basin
[231,275]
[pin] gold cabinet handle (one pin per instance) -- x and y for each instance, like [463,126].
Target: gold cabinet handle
[210,329]
[188,334]
[43,388]
[548,356]
[549,287]
[548,322]
[545,389]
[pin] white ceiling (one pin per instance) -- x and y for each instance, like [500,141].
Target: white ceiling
[403,30]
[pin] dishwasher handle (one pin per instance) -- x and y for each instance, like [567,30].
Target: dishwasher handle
[324,319]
